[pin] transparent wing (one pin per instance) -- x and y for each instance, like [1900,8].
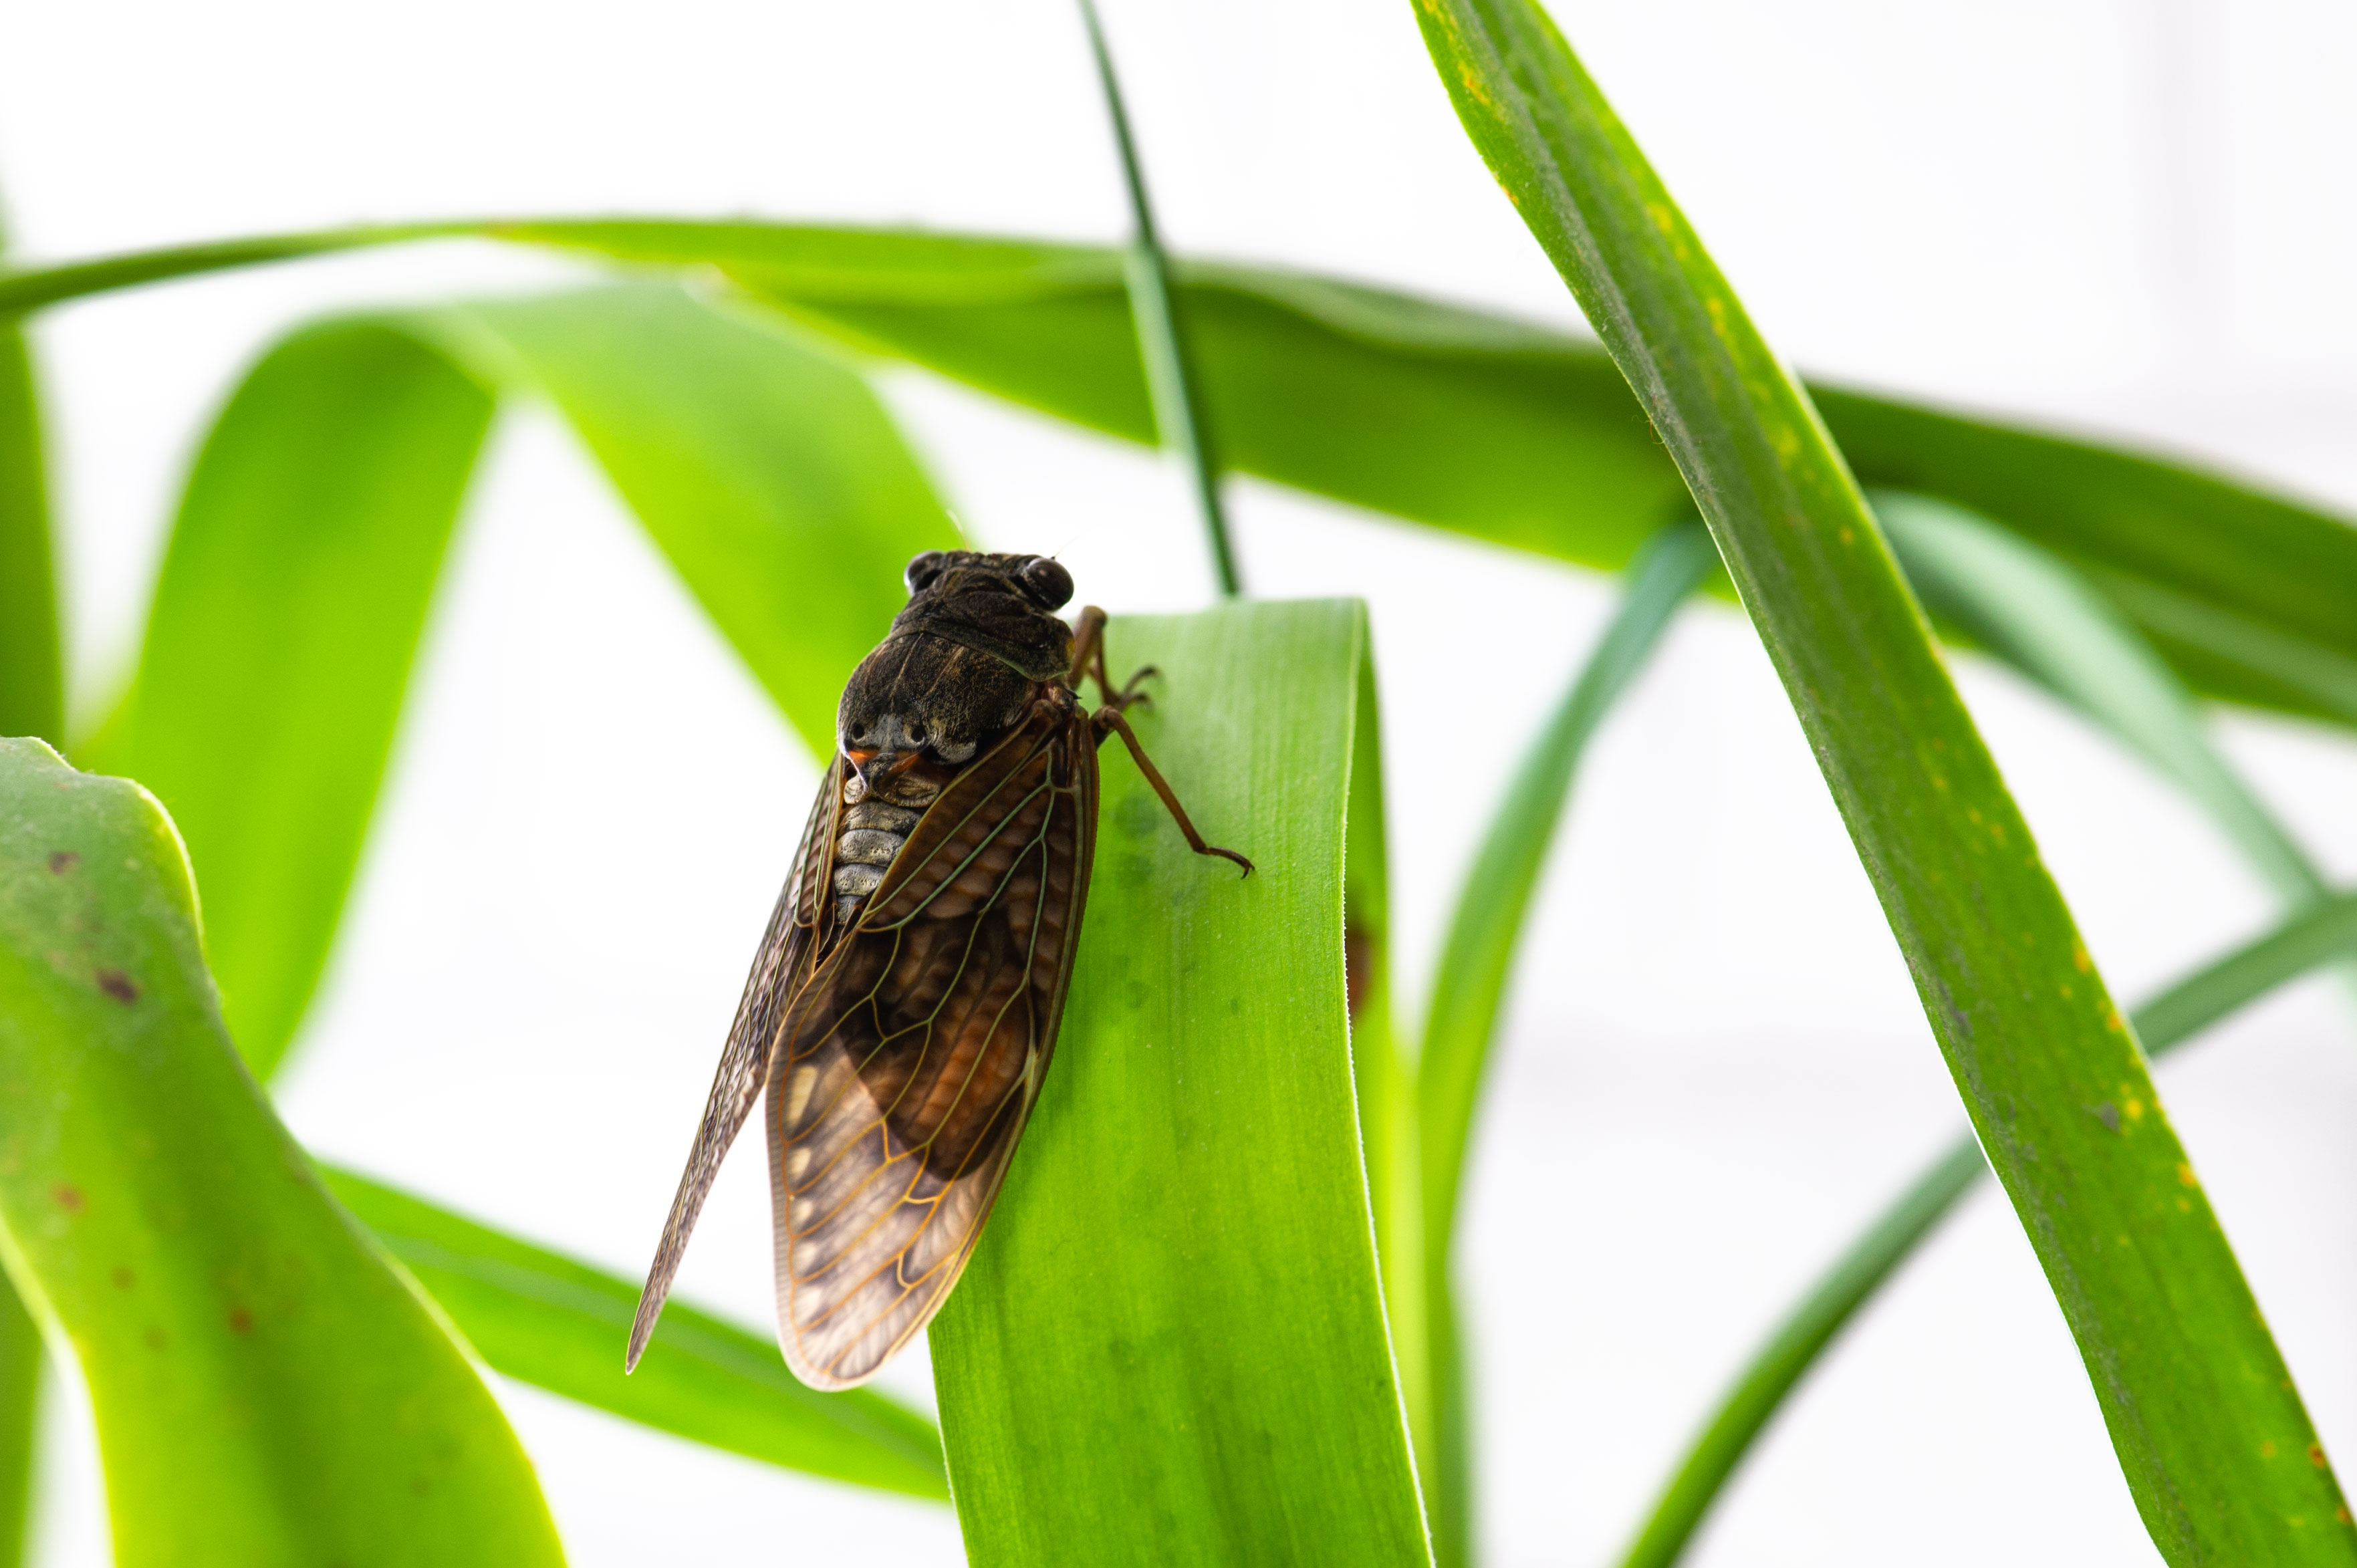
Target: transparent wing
[779,968]
[914,1055]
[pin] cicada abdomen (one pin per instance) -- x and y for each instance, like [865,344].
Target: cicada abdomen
[904,1003]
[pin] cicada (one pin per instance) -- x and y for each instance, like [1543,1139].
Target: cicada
[903,1005]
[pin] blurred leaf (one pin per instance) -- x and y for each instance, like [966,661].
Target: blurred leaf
[2216,1446]
[2323,932]
[20,1389]
[1477,957]
[267,1391]
[1162,345]
[32,677]
[286,622]
[556,1323]
[304,562]
[1170,1347]
[2031,609]
[26,289]
[1467,420]
[777,484]
[32,702]
[1526,436]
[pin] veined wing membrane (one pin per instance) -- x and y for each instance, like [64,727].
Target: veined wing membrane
[779,967]
[915,1052]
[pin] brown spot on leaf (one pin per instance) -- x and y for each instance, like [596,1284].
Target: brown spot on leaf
[123,1279]
[2316,1455]
[117,984]
[157,1339]
[62,861]
[68,1197]
[240,1320]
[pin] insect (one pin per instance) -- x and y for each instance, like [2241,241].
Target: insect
[903,1005]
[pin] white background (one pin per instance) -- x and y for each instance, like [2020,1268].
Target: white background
[2138,218]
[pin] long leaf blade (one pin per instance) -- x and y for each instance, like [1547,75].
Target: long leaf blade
[771,475]
[288,616]
[2210,1433]
[552,1322]
[267,1391]
[32,674]
[1476,961]
[32,702]
[1464,419]
[2314,937]
[1170,1345]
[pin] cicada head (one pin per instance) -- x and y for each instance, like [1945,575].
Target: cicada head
[977,639]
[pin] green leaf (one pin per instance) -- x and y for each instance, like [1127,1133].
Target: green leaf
[32,676]
[1527,436]
[1170,1347]
[304,558]
[32,702]
[1467,420]
[28,289]
[1161,336]
[2030,608]
[2322,933]
[2210,1433]
[1383,1074]
[286,622]
[1477,957]
[556,1323]
[772,478]
[267,1391]
[20,1389]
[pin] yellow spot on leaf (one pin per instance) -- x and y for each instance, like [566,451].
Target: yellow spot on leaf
[2133,1106]
[2267,1449]
[2185,1174]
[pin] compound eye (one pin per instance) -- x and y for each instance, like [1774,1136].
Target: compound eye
[1046,582]
[924,569]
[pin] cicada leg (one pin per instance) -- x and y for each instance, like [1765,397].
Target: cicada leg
[1089,664]
[1108,720]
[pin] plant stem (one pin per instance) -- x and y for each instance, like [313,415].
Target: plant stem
[1177,409]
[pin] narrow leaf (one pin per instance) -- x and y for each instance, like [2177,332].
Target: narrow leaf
[2213,1437]
[1477,957]
[32,676]
[2030,608]
[27,289]
[2324,932]
[771,475]
[288,616]
[1170,1346]
[1161,338]
[554,1323]
[1467,420]
[32,702]
[267,1391]
[20,1389]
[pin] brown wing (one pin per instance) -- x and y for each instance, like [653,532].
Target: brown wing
[913,1057]
[780,967]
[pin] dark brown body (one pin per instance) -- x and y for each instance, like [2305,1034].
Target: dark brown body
[905,1002]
